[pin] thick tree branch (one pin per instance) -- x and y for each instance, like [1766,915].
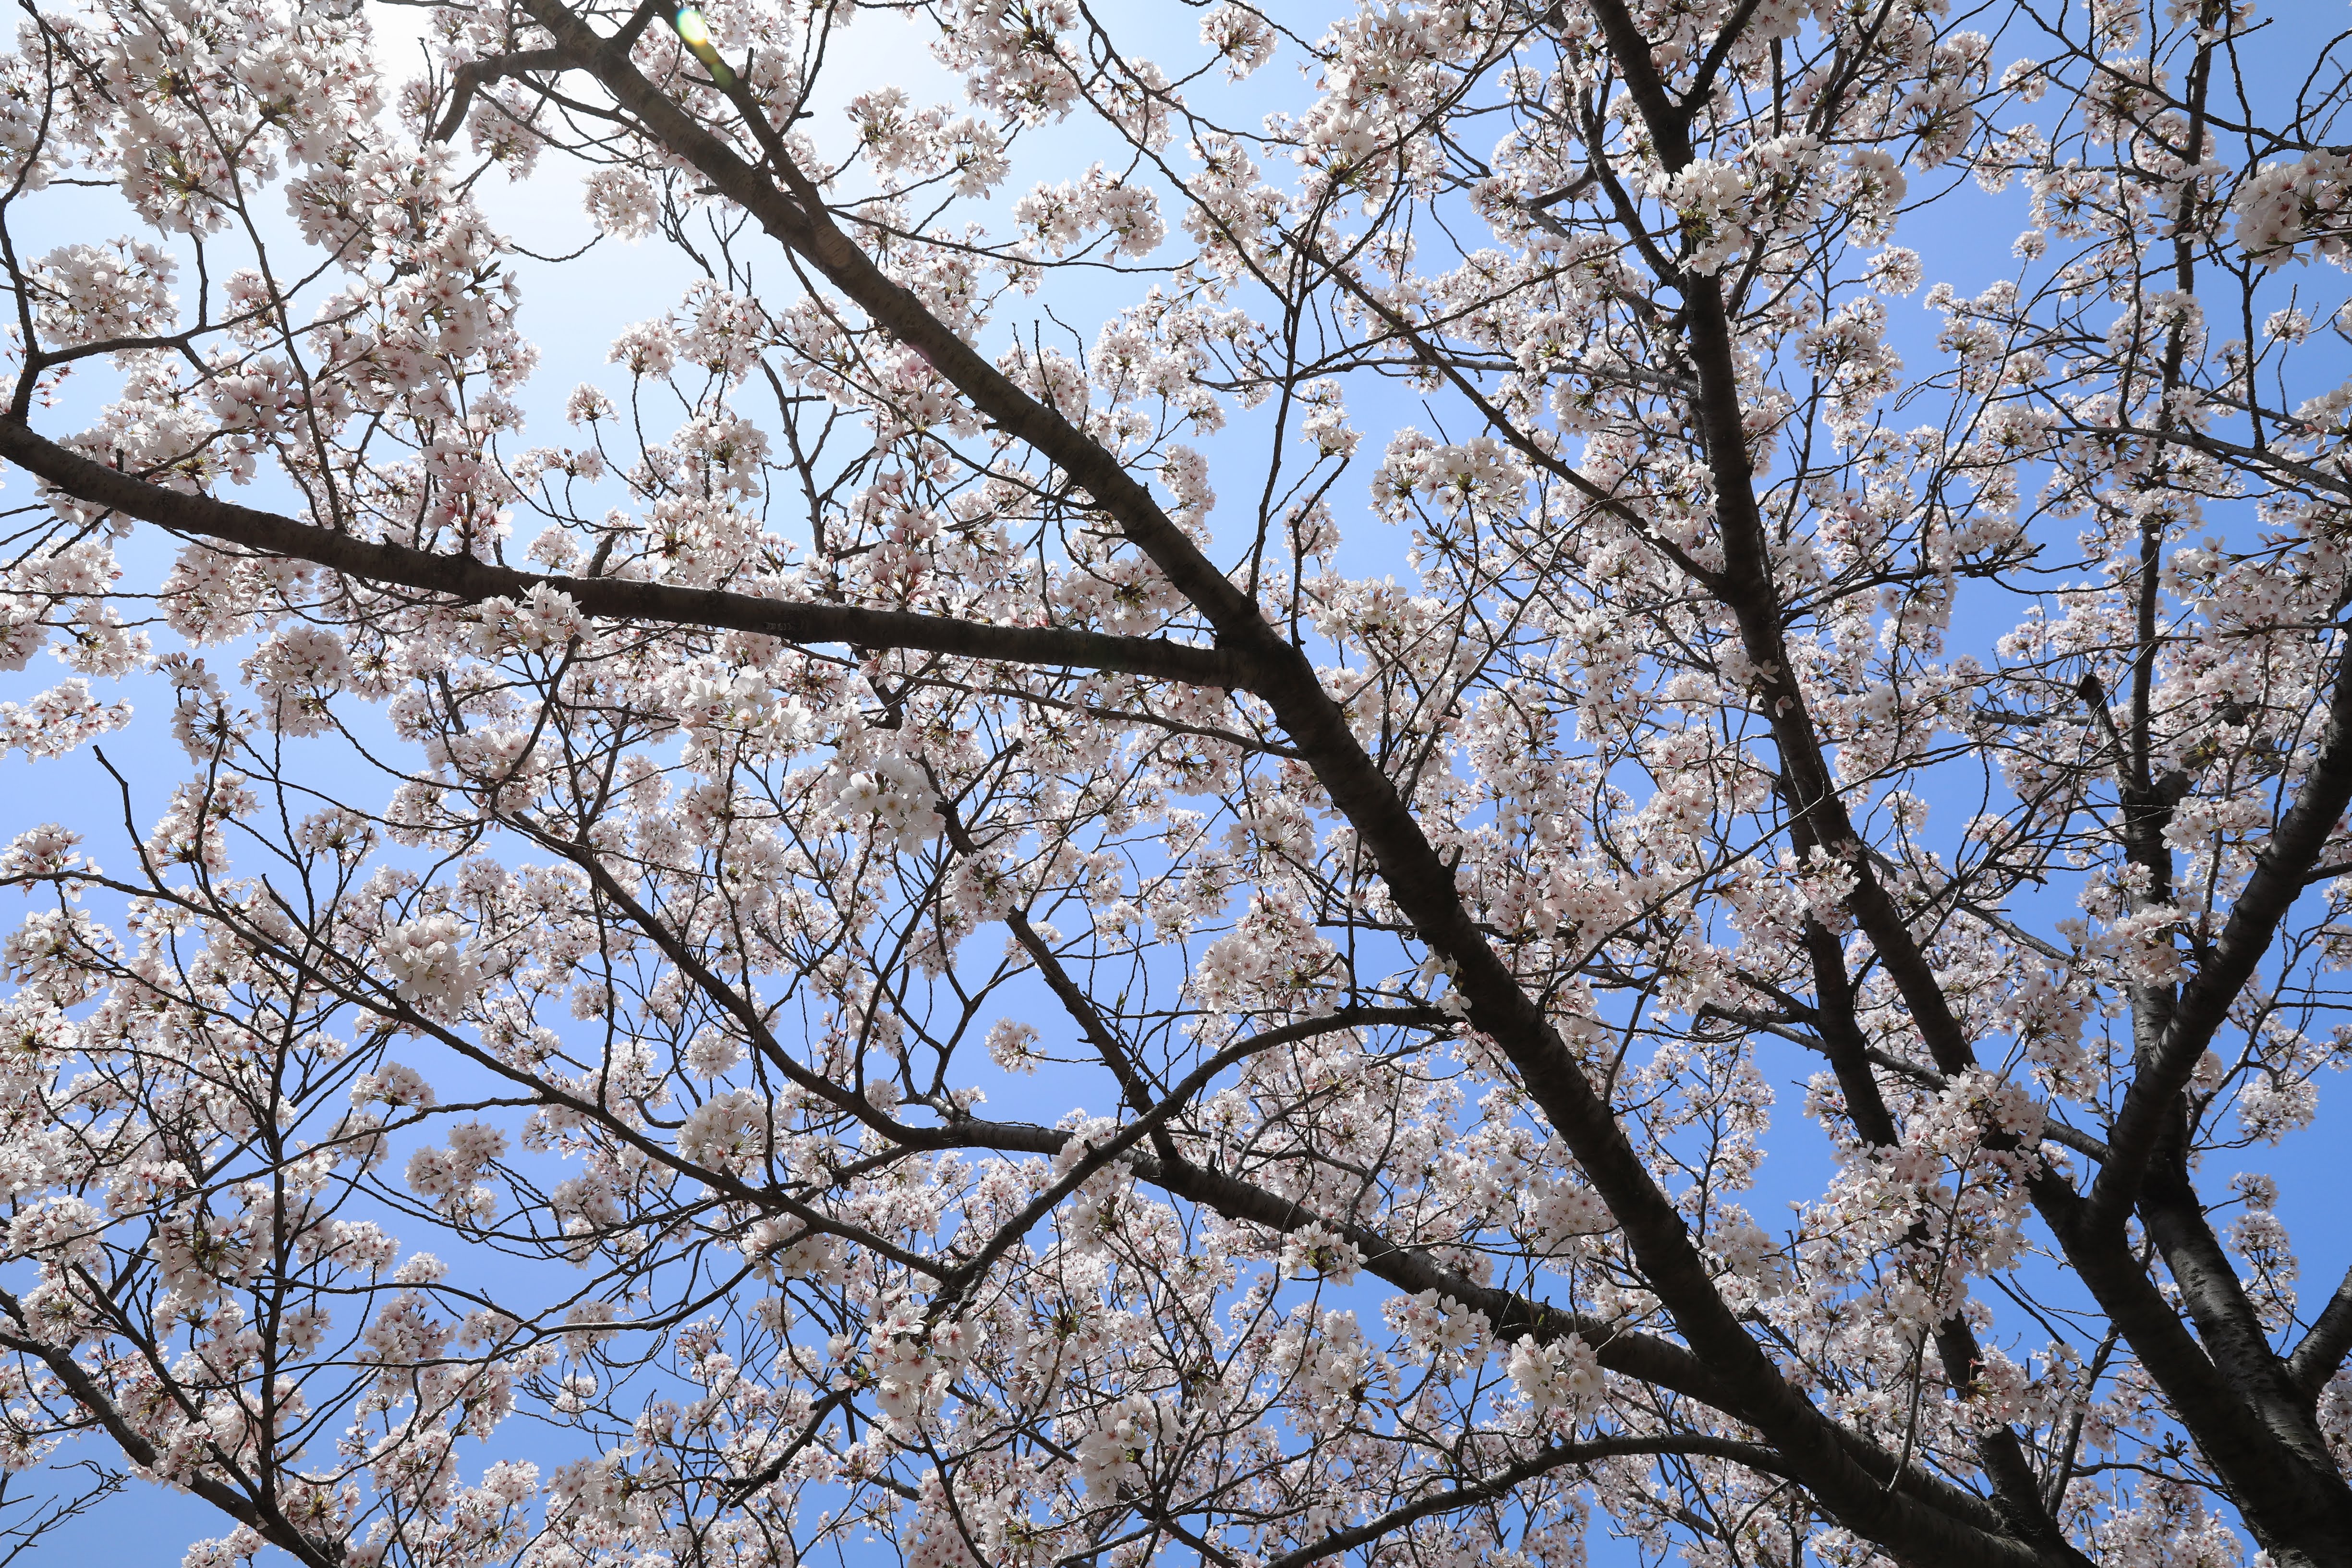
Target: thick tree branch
[261,1517]
[2321,1355]
[2281,872]
[465,578]
[475,75]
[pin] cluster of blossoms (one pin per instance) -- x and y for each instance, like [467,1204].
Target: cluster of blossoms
[1057,219]
[2291,205]
[1479,472]
[902,140]
[1563,1376]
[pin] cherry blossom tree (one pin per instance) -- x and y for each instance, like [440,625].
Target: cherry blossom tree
[578,1067]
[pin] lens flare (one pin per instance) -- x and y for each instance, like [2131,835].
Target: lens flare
[695,33]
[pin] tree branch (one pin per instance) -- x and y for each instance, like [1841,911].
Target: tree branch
[465,578]
[2279,877]
[2321,1355]
[1755,1455]
[264,1520]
